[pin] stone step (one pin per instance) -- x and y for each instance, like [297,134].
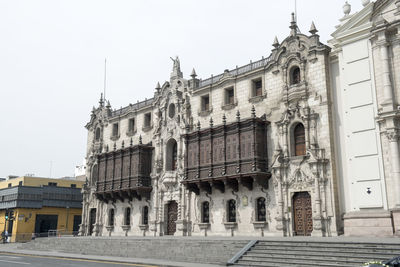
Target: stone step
[284,253]
[327,244]
[316,253]
[310,257]
[179,249]
[299,262]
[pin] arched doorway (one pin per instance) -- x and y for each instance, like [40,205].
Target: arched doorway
[92,220]
[172,216]
[302,213]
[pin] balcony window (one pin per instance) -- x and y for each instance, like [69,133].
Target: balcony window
[131,125]
[295,75]
[205,103]
[257,88]
[147,120]
[115,129]
[231,210]
[229,96]
[261,211]
[205,212]
[299,140]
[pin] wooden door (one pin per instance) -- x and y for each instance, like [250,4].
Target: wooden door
[92,220]
[303,224]
[299,140]
[172,217]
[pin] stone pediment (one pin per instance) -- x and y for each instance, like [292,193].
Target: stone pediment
[355,24]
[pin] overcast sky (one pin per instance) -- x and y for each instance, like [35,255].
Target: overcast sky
[52,61]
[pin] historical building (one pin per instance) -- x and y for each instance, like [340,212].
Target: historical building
[257,150]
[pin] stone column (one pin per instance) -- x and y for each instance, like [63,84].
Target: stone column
[277,179]
[307,127]
[393,138]
[387,104]
[317,219]
[285,140]
[181,222]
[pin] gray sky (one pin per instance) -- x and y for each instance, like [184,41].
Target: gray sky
[52,61]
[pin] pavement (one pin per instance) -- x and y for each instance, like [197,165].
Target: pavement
[33,258]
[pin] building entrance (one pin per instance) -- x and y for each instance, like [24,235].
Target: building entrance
[302,211]
[172,217]
[44,223]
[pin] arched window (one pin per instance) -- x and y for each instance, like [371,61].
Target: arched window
[111,217]
[299,140]
[231,210]
[145,215]
[127,216]
[172,155]
[171,110]
[295,75]
[205,212]
[261,211]
[97,135]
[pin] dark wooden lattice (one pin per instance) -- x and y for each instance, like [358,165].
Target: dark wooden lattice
[302,209]
[172,217]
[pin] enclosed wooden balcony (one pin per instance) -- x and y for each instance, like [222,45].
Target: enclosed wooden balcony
[227,156]
[124,174]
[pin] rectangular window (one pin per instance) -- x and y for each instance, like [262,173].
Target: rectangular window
[257,87]
[115,129]
[205,103]
[20,183]
[229,96]
[52,184]
[73,185]
[147,120]
[131,126]
[9,185]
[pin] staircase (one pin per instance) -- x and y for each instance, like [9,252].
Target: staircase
[321,252]
[180,249]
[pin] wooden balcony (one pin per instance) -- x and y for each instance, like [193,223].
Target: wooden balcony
[124,174]
[227,156]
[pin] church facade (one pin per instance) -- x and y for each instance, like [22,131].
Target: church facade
[252,151]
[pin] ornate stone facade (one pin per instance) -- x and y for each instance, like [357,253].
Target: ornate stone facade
[252,151]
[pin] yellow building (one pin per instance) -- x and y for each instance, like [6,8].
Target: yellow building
[40,206]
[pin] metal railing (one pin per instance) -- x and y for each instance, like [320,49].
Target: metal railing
[26,237]
[238,255]
[138,105]
[237,71]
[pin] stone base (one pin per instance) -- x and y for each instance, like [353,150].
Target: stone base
[396,221]
[181,227]
[368,223]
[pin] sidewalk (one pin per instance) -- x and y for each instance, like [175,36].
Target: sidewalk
[13,248]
